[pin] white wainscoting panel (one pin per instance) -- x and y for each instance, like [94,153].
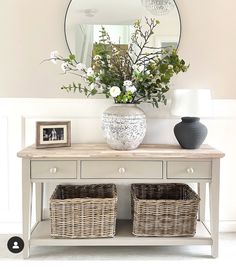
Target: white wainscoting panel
[17,123]
[4,177]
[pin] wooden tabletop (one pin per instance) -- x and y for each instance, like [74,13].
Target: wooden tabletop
[148,151]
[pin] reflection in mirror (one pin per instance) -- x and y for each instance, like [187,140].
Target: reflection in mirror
[84,19]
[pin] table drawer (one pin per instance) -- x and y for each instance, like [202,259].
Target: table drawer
[188,169]
[53,169]
[121,169]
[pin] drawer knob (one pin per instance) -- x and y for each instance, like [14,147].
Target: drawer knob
[53,170]
[190,170]
[121,170]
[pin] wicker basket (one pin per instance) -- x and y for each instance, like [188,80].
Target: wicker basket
[164,209]
[83,211]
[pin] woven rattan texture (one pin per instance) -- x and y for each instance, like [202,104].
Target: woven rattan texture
[83,211]
[164,209]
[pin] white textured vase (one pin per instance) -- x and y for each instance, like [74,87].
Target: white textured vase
[124,126]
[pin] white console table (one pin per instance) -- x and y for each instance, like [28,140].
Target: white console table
[97,163]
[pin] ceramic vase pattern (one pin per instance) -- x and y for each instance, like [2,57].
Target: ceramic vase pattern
[124,126]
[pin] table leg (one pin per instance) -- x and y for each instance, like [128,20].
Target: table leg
[26,205]
[39,201]
[214,206]
[202,194]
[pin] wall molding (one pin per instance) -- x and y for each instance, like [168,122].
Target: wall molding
[10,228]
[92,107]
[4,163]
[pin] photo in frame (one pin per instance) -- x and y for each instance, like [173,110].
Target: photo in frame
[53,134]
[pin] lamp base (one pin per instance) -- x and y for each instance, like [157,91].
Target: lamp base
[190,132]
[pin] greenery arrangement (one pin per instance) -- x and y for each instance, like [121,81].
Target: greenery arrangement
[138,74]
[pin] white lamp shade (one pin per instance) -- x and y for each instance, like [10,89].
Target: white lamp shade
[191,103]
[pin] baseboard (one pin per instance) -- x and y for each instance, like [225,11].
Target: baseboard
[11,228]
[227,226]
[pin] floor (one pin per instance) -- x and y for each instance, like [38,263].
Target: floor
[186,253]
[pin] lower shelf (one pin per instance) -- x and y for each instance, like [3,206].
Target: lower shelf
[41,237]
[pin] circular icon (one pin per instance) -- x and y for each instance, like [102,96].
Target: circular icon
[15,244]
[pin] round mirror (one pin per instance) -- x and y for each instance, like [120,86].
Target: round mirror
[84,19]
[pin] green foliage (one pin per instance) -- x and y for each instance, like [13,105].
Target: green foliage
[148,69]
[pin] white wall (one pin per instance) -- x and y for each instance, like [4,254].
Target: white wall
[31,29]
[208,43]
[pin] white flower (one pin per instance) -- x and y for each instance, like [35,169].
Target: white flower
[101,88]
[80,66]
[53,56]
[135,67]
[131,89]
[138,68]
[170,66]
[162,85]
[90,72]
[65,67]
[141,68]
[127,83]
[92,86]
[114,50]
[97,57]
[115,91]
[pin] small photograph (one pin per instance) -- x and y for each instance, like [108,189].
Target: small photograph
[53,134]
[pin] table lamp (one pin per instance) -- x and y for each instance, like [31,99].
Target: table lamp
[190,105]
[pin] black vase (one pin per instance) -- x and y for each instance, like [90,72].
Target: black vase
[190,132]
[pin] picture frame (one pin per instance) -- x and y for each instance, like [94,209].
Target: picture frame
[53,134]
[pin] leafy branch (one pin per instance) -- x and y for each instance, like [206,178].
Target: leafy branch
[139,72]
